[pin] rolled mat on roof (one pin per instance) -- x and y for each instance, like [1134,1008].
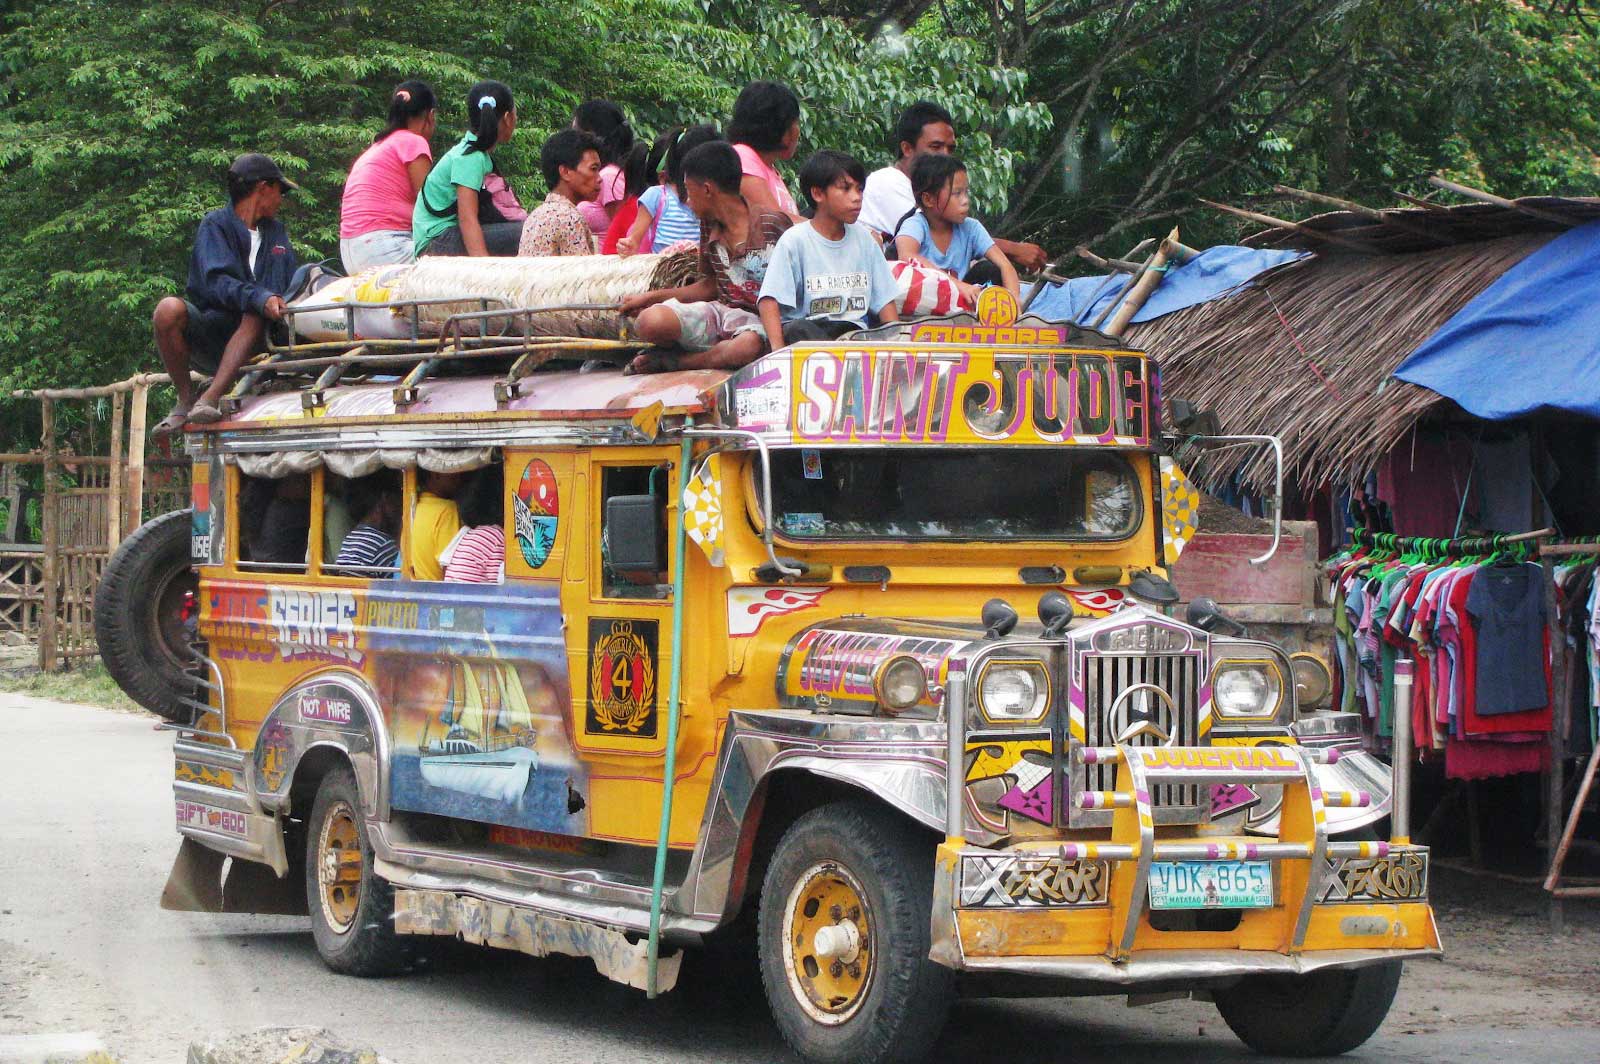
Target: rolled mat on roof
[555,283]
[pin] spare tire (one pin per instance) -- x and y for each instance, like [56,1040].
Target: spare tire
[144,616]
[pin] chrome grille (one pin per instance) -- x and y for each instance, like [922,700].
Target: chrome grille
[1103,677]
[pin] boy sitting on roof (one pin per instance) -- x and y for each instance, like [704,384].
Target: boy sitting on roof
[714,319]
[827,274]
[241,265]
[570,160]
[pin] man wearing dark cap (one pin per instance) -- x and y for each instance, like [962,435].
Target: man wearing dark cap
[241,265]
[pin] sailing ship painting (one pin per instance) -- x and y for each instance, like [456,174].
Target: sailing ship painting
[487,744]
[474,681]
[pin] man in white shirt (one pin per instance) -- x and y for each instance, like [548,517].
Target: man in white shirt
[924,127]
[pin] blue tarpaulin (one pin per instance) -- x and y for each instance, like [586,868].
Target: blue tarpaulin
[1209,275]
[1530,341]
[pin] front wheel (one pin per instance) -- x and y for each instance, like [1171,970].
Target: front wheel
[844,936]
[352,908]
[1317,1015]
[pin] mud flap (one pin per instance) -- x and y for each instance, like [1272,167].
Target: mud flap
[197,884]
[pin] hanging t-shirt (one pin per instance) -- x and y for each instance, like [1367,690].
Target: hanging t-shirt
[1508,604]
[753,165]
[670,220]
[968,241]
[377,194]
[833,280]
[454,168]
[885,200]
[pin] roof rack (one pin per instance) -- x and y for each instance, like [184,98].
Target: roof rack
[462,336]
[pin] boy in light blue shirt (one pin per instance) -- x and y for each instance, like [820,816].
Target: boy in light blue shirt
[828,274]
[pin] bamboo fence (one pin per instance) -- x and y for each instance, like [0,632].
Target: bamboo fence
[87,504]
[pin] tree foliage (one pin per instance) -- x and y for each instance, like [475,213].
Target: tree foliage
[1080,120]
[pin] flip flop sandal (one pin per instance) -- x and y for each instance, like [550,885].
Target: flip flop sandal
[650,362]
[170,424]
[204,414]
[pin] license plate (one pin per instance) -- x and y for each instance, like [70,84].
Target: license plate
[1211,885]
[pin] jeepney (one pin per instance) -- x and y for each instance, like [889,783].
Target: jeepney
[858,659]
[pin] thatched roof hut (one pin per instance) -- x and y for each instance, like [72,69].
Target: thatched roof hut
[1307,351]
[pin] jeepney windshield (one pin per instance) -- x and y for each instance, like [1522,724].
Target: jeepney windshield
[1014,493]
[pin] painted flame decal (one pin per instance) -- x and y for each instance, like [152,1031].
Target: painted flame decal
[749,607]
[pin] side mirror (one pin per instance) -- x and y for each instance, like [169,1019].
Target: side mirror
[636,538]
[999,617]
[1190,420]
[1055,612]
[1206,615]
[1153,587]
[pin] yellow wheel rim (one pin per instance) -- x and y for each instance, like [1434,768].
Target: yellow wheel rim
[339,867]
[828,943]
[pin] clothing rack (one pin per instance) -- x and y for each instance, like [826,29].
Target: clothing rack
[1543,546]
[1448,547]
[1559,835]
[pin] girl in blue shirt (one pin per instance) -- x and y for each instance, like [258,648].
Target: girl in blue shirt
[938,232]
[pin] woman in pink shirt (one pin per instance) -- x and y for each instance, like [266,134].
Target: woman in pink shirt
[605,121]
[765,128]
[379,194]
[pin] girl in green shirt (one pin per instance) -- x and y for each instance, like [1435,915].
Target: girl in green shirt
[446,219]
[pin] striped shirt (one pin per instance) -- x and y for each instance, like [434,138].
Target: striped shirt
[479,556]
[672,220]
[365,549]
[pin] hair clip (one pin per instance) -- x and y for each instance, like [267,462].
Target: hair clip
[404,95]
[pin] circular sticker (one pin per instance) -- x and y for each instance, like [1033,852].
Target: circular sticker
[997,307]
[538,512]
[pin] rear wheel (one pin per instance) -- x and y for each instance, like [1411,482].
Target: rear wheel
[843,938]
[1317,1015]
[352,908]
[144,616]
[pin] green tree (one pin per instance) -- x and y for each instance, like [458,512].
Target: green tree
[120,119]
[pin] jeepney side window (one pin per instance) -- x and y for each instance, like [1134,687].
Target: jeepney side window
[455,525]
[274,522]
[361,525]
[639,518]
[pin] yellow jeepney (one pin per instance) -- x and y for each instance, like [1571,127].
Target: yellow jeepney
[859,657]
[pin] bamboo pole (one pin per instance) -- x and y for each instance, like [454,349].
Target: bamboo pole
[1122,292]
[1420,202]
[1500,201]
[1362,209]
[134,516]
[50,532]
[102,391]
[1147,284]
[114,519]
[1283,223]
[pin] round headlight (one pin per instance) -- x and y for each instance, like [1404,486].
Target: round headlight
[900,684]
[1312,681]
[1010,692]
[1246,689]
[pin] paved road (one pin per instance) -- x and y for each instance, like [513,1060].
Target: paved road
[85,815]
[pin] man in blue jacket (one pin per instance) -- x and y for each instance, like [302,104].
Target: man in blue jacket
[241,266]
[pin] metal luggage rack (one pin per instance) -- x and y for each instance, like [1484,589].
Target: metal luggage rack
[462,337]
